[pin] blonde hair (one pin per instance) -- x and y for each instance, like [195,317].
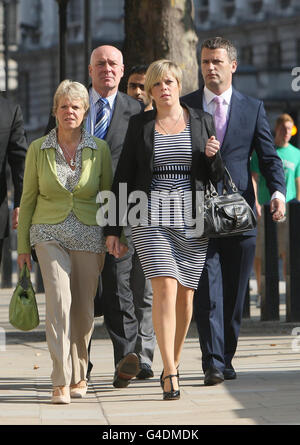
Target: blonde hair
[158,70]
[282,119]
[72,90]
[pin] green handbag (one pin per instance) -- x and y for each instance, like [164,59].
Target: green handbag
[23,310]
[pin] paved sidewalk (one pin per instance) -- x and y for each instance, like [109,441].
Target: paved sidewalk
[267,390]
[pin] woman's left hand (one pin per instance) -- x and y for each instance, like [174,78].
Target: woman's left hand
[212,147]
[24,258]
[114,246]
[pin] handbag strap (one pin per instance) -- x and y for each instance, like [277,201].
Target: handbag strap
[24,278]
[211,191]
[227,177]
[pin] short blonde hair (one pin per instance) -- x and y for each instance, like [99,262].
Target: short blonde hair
[282,119]
[158,70]
[72,90]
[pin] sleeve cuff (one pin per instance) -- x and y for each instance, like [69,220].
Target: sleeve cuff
[278,195]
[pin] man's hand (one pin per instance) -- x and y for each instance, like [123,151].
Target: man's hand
[114,247]
[15,217]
[277,209]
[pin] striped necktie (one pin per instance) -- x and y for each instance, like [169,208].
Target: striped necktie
[101,124]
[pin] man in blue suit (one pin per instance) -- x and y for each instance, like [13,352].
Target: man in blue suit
[241,127]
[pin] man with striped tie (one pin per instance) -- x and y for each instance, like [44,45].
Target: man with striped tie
[126,295]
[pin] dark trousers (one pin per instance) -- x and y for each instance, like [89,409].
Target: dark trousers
[125,299]
[219,299]
[118,306]
[1,246]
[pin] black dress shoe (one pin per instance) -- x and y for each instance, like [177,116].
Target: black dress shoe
[126,369]
[145,372]
[213,376]
[229,374]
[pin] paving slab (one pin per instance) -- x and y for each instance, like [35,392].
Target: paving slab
[266,392]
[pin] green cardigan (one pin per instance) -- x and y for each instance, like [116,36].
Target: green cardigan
[45,200]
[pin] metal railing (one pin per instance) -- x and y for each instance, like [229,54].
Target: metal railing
[270,300]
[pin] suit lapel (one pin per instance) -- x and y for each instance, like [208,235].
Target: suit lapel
[198,139]
[196,129]
[149,129]
[117,113]
[237,120]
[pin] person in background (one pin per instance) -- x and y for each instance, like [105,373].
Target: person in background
[136,85]
[64,173]
[13,147]
[241,127]
[290,157]
[168,151]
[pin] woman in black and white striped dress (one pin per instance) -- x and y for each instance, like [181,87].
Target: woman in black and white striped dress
[167,156]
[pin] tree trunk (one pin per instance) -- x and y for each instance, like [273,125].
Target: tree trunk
[161,29]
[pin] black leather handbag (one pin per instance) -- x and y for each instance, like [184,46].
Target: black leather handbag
[228,214]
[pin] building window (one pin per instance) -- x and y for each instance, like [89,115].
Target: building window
[229,8]
[75,18]
[203,11]
[284,3]
[274,55]
[256,6]
[8,17]
[298,52]
[246,55]
[31,22]
[75,12]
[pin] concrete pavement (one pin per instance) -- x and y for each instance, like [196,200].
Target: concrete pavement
[266,392]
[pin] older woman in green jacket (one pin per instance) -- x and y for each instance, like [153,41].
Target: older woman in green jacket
[64,173]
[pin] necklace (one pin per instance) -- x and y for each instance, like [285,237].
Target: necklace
[72,161]
[173,126]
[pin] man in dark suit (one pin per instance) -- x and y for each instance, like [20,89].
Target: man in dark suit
[126,309]
[241,126]
[13,148]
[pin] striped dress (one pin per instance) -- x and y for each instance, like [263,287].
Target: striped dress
[164,240]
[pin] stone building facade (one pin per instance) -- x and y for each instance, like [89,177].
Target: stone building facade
[266,33]
[267,36]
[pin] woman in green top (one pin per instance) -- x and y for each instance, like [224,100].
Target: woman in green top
[64,173]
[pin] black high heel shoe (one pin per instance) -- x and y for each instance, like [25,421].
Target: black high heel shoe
[174,394]
[161,380]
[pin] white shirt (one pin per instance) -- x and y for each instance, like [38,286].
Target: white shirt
[210,106]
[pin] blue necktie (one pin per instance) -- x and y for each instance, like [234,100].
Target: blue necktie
[101,124]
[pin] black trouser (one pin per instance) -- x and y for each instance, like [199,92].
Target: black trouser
[219,299]
[1,245]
